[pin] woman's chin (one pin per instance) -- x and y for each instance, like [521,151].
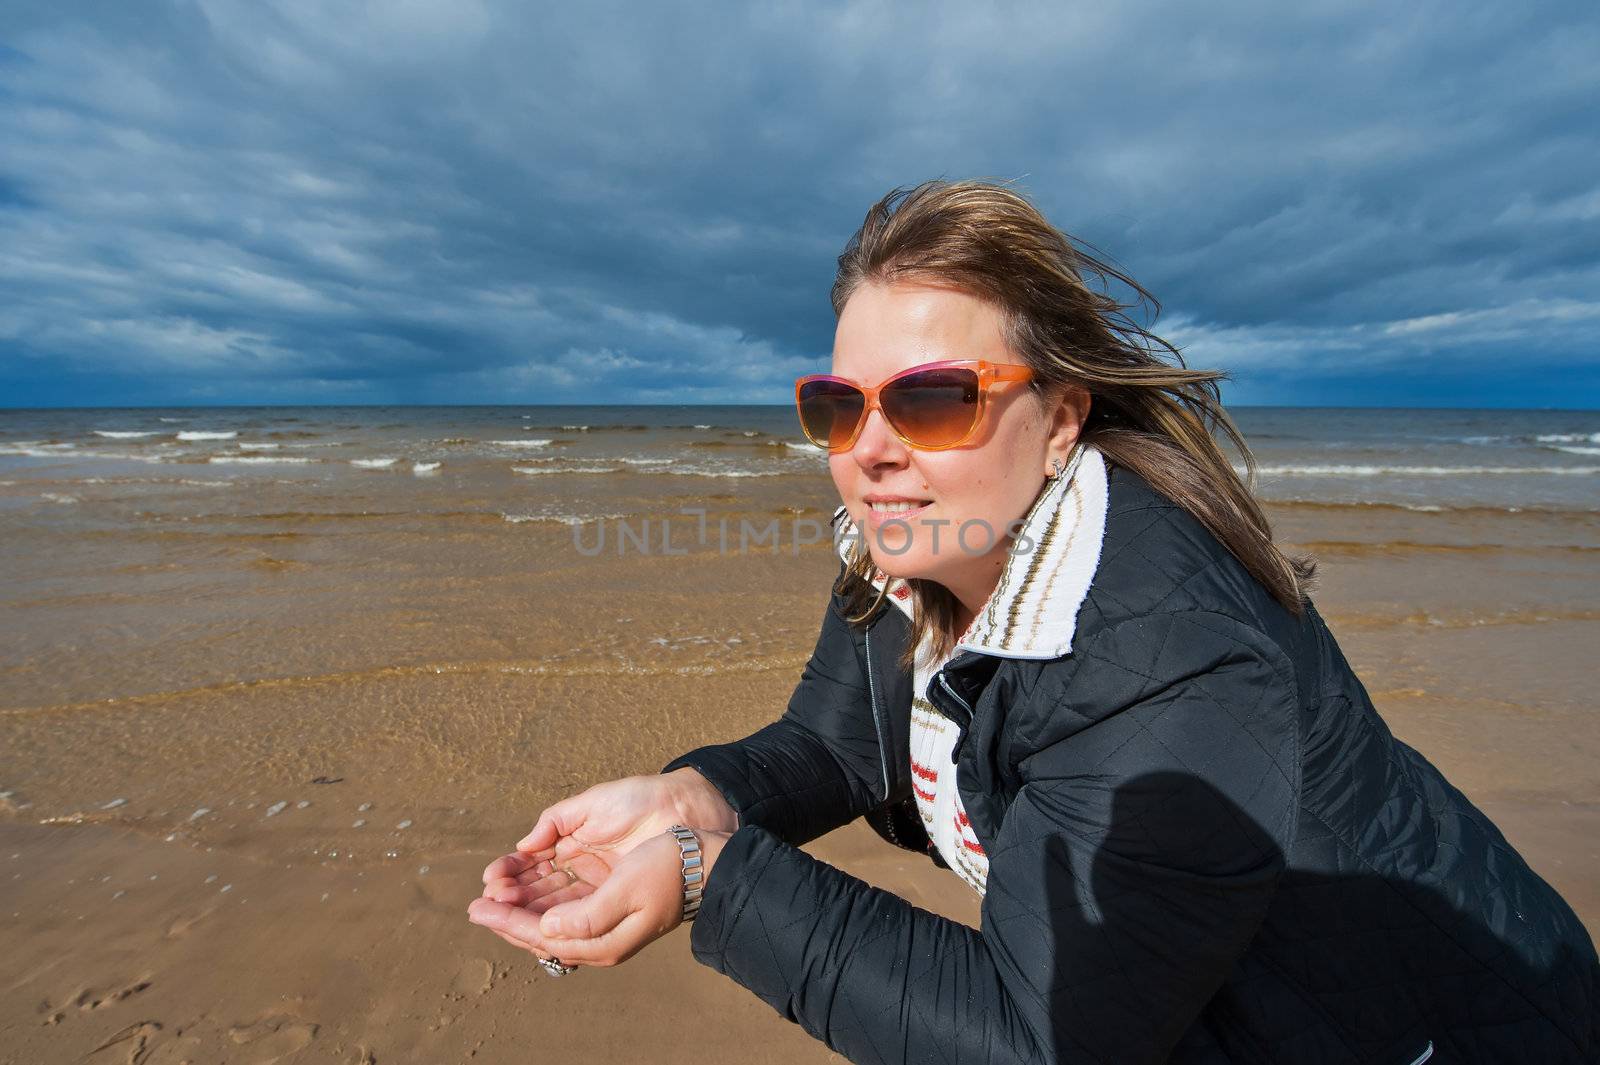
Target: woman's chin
[906,567]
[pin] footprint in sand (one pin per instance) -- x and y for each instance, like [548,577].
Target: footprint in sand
[90,998]
[476,977]
[273,1037]
[130,1045]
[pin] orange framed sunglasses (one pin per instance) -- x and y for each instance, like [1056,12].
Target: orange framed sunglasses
[932,407]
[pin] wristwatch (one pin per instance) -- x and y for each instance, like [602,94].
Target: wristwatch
[693,873]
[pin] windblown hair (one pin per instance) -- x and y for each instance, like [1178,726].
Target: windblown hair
[1149,412]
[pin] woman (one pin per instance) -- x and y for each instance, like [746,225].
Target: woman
[1065,658]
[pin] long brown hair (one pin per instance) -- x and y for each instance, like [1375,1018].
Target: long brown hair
[1149,412]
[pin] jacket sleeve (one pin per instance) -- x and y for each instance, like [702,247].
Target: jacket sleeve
[1132,868]
[820,765]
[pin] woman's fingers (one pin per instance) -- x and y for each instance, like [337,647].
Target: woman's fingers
[509,866]
[588,918]
[628,937]
[511,921]
[541,896]
[562,819]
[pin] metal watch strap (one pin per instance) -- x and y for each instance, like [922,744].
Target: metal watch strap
[693,873]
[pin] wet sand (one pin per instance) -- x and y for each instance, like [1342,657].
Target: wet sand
[258,747]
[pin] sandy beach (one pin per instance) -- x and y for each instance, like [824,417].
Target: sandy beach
[257,749]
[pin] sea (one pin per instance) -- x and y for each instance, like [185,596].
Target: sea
[570,464]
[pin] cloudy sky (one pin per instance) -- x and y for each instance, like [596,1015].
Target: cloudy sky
[441,201]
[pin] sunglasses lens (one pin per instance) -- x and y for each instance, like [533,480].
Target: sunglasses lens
[933,408]
[830,412]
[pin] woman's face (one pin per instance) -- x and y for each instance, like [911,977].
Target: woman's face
[965,500]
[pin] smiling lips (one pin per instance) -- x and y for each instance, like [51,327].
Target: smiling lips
[882,508]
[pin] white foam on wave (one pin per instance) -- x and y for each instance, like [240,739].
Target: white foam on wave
[244,445]
[1569,438]
[560,519]
[174,419]
[675,468]
[1580,450]
[702,427]
[374,464]
[424,467]
[57,497]
[520,443]
[259,460]
[701,471]
[809,448]
[121,434]
[125,455]
[1418,471]
[35,449]
[206,434]
[563,469]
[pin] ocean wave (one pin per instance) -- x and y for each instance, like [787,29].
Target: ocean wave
[543,442]
[559,519]
[261,446]
[374,464]
[1569,438]
[1577,450]
[122,434]
[206,434]
[564,469]
[424,467]
[125,455]
[260,460]
[58,497]
[173,419]
[1419,471]
[34,449]
[1460,509]
[706,472]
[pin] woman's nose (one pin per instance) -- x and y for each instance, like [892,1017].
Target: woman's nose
[877,446]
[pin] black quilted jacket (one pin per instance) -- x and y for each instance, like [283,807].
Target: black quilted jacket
[1204,846]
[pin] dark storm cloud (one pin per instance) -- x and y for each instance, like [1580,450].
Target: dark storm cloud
[453,201]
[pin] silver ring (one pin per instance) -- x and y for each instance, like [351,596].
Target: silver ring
[554,967]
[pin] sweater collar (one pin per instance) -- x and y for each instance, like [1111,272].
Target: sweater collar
[1033,610]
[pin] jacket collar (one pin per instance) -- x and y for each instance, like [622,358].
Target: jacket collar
[1033,611]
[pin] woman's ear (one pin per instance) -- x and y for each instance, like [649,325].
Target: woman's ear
[1067,415]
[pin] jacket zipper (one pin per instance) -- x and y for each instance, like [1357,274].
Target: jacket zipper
[1427,1052]
[877,718]
[965,707]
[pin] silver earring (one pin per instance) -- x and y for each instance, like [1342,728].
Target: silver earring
[1057,468]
